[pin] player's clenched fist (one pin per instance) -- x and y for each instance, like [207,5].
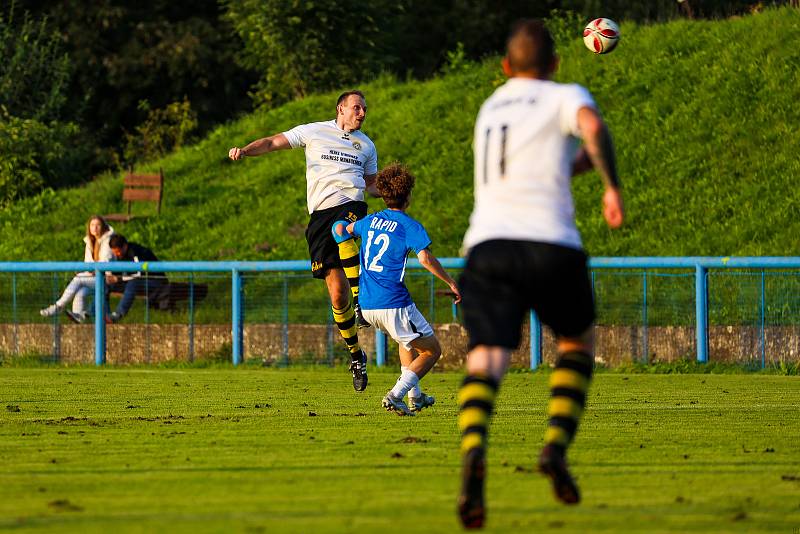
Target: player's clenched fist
[235,153]
[612,207]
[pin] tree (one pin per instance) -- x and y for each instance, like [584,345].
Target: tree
[35,71]
[303,46]
[38,148]
[158,51]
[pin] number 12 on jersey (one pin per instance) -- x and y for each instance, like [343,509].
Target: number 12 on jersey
[381,241]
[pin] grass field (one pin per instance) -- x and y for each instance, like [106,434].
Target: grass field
[296,450]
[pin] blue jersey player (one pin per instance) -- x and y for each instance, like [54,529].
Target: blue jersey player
[386,239]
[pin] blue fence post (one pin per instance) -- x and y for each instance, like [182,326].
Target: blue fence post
[191,317]
[536,340]
[701,312]
[285,329]
[432,297]
[645,355]
[14,311]
[147,340]
[763,319]
[56,324]
[329,332]
[237,329]
[99,317]
[380,348]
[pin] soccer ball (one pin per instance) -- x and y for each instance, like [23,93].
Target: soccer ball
[601,36]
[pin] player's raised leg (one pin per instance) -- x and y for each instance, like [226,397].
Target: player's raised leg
[345,319]
[348,254]
[485,368]
[569,384]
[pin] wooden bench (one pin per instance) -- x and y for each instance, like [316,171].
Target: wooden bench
[167,297]
[140,188]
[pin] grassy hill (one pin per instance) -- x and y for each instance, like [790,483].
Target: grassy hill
[704,116]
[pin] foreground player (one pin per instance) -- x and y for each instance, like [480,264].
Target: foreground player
[386,239]
[525,252]
[341,163]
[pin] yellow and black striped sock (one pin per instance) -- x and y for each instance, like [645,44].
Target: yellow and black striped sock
[346,322]
[569,384]
[475,405]
[348,254]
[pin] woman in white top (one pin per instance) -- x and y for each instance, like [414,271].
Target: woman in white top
[98,233]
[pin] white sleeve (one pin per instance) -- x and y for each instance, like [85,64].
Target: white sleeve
[371,165]
[574,97]
[298,136]
[106,254]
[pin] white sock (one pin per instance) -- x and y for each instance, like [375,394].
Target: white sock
[408,379]
[414,391]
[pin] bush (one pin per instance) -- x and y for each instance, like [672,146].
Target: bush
[34,155]
[163,131]
[35,72]
[302,47]
[39,147]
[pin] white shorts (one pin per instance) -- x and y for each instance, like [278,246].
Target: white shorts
[401,324]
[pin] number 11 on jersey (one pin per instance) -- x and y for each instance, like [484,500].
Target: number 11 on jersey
[502,156]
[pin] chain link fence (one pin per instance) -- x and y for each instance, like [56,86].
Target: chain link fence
[644,314]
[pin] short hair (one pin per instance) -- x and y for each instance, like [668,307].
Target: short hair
[344,96]
[530,47]
[394,184]
[117,241]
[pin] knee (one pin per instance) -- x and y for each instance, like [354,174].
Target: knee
[432,349]
[340,299]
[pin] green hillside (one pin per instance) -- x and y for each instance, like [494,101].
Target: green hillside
[704,116]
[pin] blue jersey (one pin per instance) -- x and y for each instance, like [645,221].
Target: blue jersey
[386,239]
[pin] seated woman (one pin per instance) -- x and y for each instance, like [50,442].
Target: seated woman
[98,232]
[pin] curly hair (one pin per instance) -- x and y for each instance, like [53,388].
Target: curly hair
[395,183]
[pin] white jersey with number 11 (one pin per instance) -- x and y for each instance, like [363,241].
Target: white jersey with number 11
[526,136]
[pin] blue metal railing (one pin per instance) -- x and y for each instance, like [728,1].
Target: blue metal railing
[700,265]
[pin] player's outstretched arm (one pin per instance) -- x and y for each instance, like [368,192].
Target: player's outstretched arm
[429,261]
[260,146]
[600,150]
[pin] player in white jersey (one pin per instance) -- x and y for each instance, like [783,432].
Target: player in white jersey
[341,163]
[524,251]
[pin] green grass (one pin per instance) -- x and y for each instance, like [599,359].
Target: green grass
[703,113]
[221,450]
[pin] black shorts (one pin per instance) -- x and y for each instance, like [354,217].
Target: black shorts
[504,279]
[322,248]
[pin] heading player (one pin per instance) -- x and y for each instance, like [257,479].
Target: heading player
[341,163]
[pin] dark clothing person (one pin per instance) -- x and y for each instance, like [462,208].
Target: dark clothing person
[132,284]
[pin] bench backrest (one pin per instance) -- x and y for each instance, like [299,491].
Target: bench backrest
[143,187]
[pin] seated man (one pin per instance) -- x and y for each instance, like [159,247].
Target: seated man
[131,284]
